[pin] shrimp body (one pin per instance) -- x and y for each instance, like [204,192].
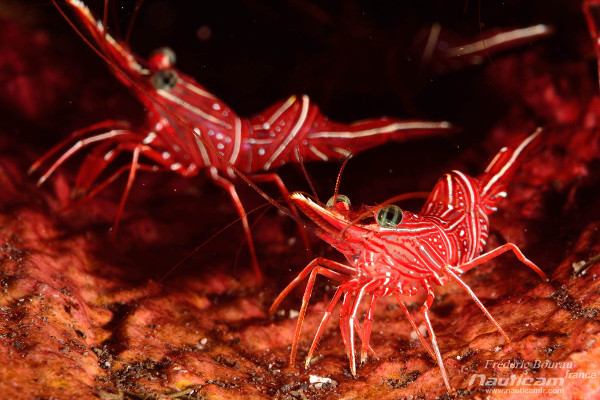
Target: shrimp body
[400,252]
[187,129]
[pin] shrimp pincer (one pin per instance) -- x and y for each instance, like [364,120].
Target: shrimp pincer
[397,252]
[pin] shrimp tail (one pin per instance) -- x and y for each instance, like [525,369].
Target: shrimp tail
[500,171]
[328,139]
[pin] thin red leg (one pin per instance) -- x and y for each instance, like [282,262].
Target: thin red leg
[359,331]
[80,145]
[108,181]
[587,5]
[415,327]
[332,265]
[230,188]
[133,167]
[276,179]
[132,171]
[94,164]
[436,349]
[495,253]
[108,125]
[466,287]
[307,292]
[348,331]
[366,335]
[324,320]
[349,325]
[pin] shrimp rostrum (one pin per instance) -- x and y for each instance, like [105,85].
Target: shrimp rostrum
[396,252]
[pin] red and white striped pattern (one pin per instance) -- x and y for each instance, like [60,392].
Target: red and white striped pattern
[445,239]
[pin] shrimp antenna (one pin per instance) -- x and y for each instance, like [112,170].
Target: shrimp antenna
[347,158]
[105,16]
[115,16]
[305,172]
[132,21]
[198,247]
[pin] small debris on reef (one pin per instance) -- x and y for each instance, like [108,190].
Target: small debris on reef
[580,267]
[422,329]
[321,381]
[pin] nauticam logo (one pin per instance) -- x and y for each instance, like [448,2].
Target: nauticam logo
[514,380]
[526,382]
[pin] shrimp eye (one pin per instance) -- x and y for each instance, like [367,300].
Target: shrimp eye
[340,199]
[167,52]
[165,79]
[162,58]
[389,216]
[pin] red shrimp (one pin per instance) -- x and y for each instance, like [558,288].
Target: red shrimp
[444,51]
[400,252]
[187,129]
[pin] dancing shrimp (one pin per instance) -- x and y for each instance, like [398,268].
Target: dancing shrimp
[400,252]
[187,129]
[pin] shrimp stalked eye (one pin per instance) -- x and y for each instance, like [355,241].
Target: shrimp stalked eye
[162,58]
[342,201]
[165,79]
[389,216]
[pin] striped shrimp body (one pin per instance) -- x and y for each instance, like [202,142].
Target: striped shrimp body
[187,129]
[400,252]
